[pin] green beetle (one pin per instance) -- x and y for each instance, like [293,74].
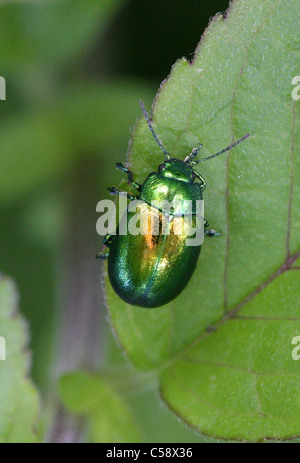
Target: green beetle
[149,270]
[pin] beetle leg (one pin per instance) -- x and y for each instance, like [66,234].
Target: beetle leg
[212,232]
[202,181]
[114,191]
[193,154]
[102,255]
[129,174]
[106,242]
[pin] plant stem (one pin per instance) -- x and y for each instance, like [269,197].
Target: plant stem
[81,318]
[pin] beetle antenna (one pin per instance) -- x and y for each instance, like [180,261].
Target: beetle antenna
[223,151]
[167,156]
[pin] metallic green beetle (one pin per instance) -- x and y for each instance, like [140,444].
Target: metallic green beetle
[149,270]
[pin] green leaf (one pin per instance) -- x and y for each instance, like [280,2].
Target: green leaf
[237,379]
[91,395]
[19,403]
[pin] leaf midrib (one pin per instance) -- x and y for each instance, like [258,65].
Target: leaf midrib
[286,266]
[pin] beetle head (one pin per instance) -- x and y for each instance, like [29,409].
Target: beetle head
[177,169]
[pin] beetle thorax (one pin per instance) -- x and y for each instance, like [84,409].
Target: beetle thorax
[176,169]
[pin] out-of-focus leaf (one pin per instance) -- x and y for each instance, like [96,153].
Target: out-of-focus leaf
[19,403]
[50,32]
[240,381]
[86,120]
[111,420]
